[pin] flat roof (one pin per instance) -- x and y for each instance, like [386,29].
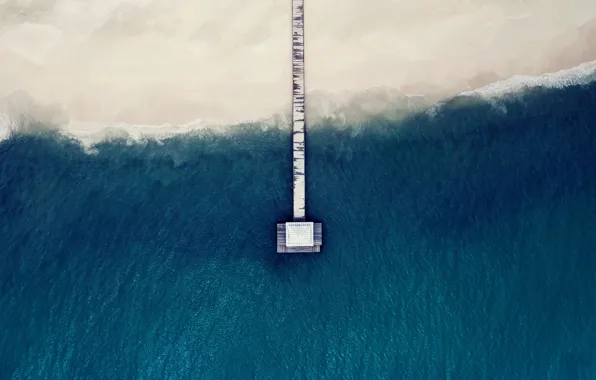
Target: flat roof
[300,234]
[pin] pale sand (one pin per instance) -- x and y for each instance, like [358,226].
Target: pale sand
[164,61]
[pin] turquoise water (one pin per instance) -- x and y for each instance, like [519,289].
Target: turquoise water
[459,246]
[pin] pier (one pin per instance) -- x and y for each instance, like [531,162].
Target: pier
[299,235]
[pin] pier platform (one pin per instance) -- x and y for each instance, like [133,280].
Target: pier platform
[299,237]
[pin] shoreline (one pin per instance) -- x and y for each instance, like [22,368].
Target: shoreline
[349,106]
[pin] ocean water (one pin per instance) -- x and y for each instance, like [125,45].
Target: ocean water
[457,245]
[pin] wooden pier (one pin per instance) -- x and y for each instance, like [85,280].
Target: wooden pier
[298,111]
[298,236]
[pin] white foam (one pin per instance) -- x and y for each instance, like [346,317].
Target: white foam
[19,113]
[93,132]
[581,74]
[494,92]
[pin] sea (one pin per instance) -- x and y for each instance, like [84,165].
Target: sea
[459,243]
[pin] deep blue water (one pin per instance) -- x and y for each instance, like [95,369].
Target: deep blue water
[455,247]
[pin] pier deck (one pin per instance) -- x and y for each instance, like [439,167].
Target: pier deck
[300,235]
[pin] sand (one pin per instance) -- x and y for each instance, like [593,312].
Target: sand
[162,62]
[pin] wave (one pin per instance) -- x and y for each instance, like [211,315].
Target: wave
[518,85]
[20,114]
[579,75]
